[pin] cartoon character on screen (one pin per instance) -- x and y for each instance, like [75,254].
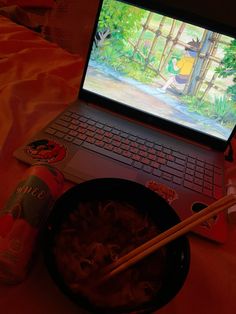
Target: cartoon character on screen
[182,68]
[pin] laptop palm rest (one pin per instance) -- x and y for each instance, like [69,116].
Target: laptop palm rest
[85,166]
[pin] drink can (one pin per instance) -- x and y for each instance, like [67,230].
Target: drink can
[22,218]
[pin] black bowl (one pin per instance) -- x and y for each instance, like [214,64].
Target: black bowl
[161,213]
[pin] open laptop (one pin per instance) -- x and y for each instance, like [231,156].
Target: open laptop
[156,105]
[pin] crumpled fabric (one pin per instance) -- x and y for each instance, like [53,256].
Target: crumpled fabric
[38,79]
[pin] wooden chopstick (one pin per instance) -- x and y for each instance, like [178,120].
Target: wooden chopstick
[165,237]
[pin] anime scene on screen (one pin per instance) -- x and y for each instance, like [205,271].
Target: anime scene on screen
[166,67]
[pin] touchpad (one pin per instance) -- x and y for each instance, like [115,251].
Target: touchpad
[88,165]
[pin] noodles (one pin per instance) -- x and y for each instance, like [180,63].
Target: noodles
[95,235]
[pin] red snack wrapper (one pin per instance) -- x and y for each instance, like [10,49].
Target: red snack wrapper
[21,219]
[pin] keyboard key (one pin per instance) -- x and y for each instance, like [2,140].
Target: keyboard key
[198,181]
[73,133]
[73,127]
[166,176]
[142,153]
[158,147]
[136,157]
[190,172]
[151,157]
[75,121]
[199,175]
[108,134]
[143,147]
[107,153]
[98,137]
[199,169]
[137,165]
[83,119]
[60,128]
[81,137]
[117,138]
[124,135]
[107,128]
[166,150]
[208,179]
[108,147]
[75,116]
[115,131]
[152,151]
[50,131]
[180,161]
[175,166]
[116,143]
[179,155]
[66,118]
[124,146]
[207,185]
[156,172]
[149,144]
[170,157]
[145,161]
[147,169]
[77,142]
[107,139]
[63,123]
[117,150]
[59,134]
[126,153]
[91,122]
[140,141]
[200,163]
[90,139]
[190,166]
[172,171]
[99,125]
[99,143]
[134,144]
[155,164]
[68,138]
[208,172]
[191,160]
[192,186]
[161,161]
[177,180]
[188,177]
[91,128]
[209,166]
[132,138]
[83,130]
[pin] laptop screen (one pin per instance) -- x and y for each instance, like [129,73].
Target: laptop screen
[164,67]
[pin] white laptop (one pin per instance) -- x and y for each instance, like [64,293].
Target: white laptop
[156,106]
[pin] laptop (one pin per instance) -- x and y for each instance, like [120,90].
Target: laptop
[156,106]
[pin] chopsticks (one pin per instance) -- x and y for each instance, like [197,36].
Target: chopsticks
[165,237]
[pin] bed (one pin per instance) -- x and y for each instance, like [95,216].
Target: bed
[38,79]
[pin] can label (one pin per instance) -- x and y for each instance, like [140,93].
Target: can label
[30,201]
[21,219]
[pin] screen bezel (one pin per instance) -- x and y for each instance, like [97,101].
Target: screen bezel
[161,123]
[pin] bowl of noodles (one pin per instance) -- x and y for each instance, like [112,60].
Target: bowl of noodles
[98,221]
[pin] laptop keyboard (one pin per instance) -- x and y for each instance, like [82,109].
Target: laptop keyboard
[158,160]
